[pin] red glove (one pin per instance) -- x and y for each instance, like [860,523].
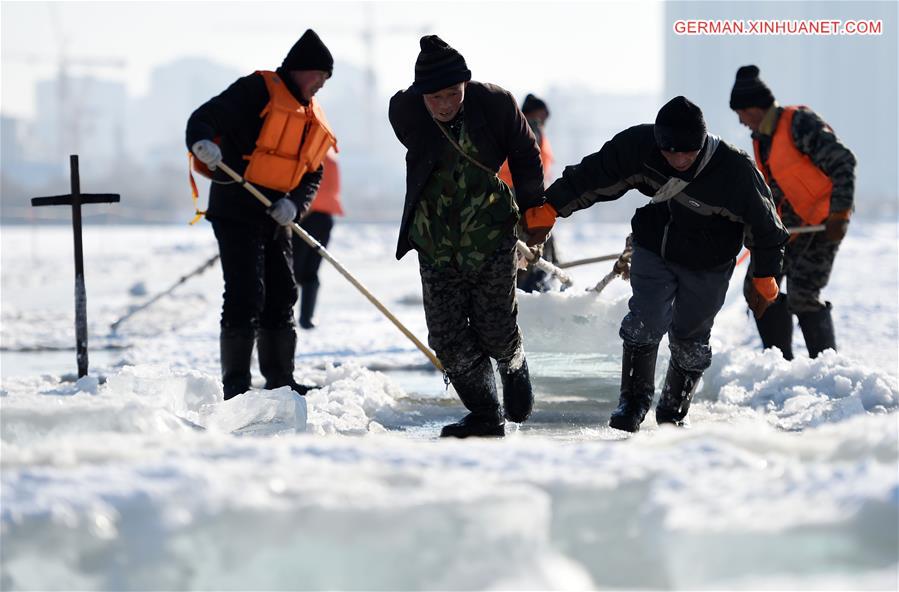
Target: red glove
[763,293]
[836,225]
[538,222]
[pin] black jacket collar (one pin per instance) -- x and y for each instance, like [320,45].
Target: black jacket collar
[289,84]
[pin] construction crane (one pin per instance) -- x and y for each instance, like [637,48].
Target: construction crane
[71,110]
[369,33]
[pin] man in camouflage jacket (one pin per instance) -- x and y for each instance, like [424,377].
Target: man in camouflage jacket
[461,219]
[812,179]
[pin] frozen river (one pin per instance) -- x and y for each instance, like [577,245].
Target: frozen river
[139,476]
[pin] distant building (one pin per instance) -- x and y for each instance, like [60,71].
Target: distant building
[19,174]
[80,115]
[157,120]
[10,147]
[850,80]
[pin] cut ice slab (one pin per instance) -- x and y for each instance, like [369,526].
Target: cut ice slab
[258,413]
[572,322]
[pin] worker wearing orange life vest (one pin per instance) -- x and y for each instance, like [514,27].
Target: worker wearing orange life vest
[268,128]
[537,113]
[318,222]
[812,179]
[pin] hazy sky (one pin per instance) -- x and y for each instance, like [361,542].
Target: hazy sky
[607,46]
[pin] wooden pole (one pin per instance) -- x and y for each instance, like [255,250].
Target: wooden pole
[76,200]
[806,229]
[622,265]
[543,264]
[80,291]
[308,239]
[588,260]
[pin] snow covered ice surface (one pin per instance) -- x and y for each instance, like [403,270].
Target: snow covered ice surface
[140,477]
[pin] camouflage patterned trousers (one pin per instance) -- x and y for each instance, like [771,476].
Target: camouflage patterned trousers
[808,261]
[472,314]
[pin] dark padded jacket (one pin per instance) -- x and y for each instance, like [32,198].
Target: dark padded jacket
[703,226]
[234,116]
[496,126]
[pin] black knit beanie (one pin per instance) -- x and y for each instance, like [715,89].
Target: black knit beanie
[680,126]
[532,103]
[749,90]
[309,53]
[438,66]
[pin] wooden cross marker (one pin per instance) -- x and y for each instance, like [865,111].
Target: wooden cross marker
[75,199]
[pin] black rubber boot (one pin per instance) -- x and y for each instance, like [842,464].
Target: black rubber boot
[638,368]
[776,327]
[308,295]
[518,396]
[817,328]
[477,390]
[236,350]
[276,348]
[677,394]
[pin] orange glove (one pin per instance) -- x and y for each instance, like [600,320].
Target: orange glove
[763,293]
[538,222]
[836,225]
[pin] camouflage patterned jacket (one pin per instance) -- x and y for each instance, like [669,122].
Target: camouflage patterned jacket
[464,212]
[497,129]
[812,136]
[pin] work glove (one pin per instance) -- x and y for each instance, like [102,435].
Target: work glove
[836,225]
[623,268]
[208,153]
[537,223]
[283,211]
[761,294]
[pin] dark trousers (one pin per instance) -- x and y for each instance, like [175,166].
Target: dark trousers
[306,260]
[669,298]
[472,314]
[257,264]
[808,261]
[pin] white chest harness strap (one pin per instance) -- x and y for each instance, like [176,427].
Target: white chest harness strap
[675,185]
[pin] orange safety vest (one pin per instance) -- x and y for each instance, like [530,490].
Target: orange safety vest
[804,185]
[546,157]
[293,141]
[327,200]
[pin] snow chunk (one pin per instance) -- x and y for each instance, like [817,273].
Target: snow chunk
[803,392]
[138,289]
[257,413]
[352,400]
[87,384]
[184,392]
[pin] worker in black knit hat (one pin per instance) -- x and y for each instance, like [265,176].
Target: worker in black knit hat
[438,66]
[812,178]
[750,91]
[461,219]
[267,127]
[703,194]
[536,111]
